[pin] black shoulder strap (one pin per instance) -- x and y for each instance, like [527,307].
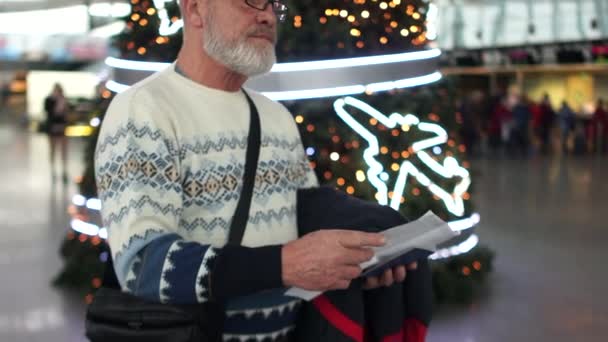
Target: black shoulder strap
[241,215]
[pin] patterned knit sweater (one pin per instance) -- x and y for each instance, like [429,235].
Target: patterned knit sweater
[169,166]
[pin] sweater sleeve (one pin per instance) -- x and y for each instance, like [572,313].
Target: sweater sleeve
[138,176]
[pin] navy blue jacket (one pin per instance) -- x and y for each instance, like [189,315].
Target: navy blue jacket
[401,312]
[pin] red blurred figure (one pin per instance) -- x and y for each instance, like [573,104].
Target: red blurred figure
[501,115]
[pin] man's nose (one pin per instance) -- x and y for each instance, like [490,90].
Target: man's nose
[267,17]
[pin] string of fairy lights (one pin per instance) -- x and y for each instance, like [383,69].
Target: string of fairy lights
[373,12]
[364,24]
[156,21]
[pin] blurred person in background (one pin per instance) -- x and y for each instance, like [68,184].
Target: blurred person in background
[3,94]
[546,122]
[599,128]
[536,112]
[496,130]
[56,108]
[507,122]
[519,132]
[566,117]
[471,109]
[580,137]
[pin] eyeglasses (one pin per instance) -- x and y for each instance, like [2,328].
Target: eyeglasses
[279,9]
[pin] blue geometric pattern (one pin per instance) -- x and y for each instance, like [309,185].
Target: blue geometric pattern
[205,144]
[214,184]
[261,217]
[136,206]
[136,168]
[255,217]
[129,131]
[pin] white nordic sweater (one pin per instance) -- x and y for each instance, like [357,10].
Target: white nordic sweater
[169,168]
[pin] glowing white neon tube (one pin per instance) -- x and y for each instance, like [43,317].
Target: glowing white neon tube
[441,136]
[404,83]
[91,203]
[135,65]
[348,90]
[116,87]
[314,93]
[167,27]
[431,21]
[357,61]
[464,247]
[466,223]
[89,229]
[95,122]
[109,30]
[94,204]
[84,227]
[79,200]
[378,177]
[107,9]
[299,66]
[103,233]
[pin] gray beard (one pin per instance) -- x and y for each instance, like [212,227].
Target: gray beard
[238,56]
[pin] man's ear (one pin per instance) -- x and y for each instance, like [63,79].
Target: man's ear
[193,12]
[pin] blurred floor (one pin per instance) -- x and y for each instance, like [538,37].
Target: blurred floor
[33,222]
[545,218]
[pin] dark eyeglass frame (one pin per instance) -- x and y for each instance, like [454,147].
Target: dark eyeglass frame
[278,7]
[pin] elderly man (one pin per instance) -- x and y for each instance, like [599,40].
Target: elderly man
[169,160]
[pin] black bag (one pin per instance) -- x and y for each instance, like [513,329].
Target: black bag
[116,316]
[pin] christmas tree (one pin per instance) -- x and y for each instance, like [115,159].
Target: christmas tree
[337,28]
[152,31]
[418,164]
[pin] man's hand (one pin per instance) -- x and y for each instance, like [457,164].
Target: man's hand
[327,259]
[390,276]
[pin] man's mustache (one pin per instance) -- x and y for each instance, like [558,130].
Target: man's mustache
[263,31]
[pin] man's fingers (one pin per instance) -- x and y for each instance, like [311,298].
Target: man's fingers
[351,272]
[353,239]
[387,278]
[371,283]
[342,284]
[399,273]
[357,256]
[412,266]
